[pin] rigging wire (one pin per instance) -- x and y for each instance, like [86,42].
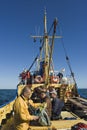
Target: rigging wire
[52,45]
[67,58]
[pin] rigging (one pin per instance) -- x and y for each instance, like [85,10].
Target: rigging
[67,59]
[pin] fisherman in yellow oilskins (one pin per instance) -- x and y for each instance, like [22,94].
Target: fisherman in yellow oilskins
[22,117]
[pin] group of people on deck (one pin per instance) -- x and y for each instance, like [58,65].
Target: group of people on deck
[22,114]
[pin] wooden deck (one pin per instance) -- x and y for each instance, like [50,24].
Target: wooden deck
[56,125]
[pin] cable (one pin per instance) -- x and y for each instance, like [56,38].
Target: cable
[67,59]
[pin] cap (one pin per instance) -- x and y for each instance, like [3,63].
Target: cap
[54,91]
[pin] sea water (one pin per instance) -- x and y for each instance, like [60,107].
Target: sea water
[7,95]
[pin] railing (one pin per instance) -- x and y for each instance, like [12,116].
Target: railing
[5,110]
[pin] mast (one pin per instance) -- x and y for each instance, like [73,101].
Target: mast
[46,68]
[48,56]
[47,48]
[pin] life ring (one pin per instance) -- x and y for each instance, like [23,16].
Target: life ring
[38,79]
[54,79]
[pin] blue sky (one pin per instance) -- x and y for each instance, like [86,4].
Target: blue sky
[21,18]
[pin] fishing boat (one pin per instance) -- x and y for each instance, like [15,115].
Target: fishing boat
[75,106]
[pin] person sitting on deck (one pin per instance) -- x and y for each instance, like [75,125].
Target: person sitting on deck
[46,99]
[57,105]
[44,110]
[22,117]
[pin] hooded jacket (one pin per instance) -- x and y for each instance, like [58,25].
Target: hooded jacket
[21,114]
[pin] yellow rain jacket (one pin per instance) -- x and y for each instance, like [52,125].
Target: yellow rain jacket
[21,113]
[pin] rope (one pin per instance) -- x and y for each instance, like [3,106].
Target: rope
[67,58]
[51,52]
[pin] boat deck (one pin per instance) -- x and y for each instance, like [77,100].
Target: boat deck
[63,124]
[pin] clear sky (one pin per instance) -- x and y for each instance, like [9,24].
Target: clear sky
[21,18]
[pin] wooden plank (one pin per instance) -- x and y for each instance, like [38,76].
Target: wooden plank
[82,99]
[78,104]
[61,124]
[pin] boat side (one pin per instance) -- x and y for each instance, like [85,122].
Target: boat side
[5,111]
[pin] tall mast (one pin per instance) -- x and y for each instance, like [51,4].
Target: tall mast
[48,50]
[45,23]
[46,74]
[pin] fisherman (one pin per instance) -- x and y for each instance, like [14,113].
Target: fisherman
[45,98]
[22,116]
[23,77]
[28,77]
[45,108]
[57,105]
[60,75]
